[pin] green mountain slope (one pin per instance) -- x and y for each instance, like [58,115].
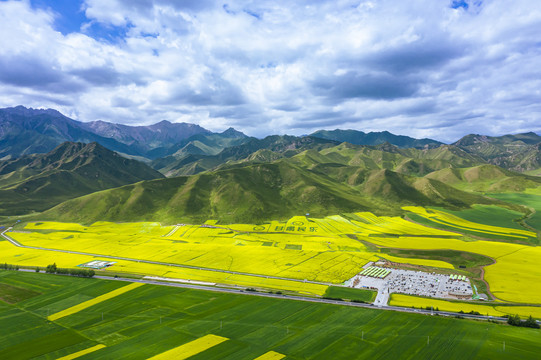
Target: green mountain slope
[40,181]
[202,144]
[259,192]
[486,178]
[255,150]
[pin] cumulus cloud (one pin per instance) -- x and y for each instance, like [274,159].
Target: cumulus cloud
[422,68]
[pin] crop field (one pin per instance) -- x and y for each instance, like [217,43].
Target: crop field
[330,250]
[301,248]
[153,320]
[489,215]
[531,198]
[86,304]
[455,306]
[452,221]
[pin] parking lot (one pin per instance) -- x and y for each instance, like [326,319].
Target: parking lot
[413,283]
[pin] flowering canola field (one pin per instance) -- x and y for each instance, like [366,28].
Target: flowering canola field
[192,348]
[328,250]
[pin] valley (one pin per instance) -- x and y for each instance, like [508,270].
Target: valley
[195,228]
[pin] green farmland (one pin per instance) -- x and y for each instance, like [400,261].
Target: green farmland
[150,320]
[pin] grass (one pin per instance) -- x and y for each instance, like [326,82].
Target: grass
[13,294]
[531,199]
[151,320]
[459,259]
[345,293]
[490,215]
[452,221]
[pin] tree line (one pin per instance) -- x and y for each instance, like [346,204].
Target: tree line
[53,269]
[6,266]
[515,321]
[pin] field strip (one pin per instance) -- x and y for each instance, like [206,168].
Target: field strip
[271,355]
[192,348]
[82,352]
[16,243]
[89,303]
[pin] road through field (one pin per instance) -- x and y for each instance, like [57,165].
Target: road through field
[16,243]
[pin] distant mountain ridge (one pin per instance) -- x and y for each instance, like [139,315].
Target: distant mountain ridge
[357,137]
[39,181]
[26,131]
[518,152]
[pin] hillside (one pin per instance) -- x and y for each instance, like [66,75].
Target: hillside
[201,144]
[40,181]
[520,152]
[259,192]
[254,150]
[486,178]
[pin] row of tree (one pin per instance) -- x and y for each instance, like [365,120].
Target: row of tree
[515,321]
[6,266]
[53,269]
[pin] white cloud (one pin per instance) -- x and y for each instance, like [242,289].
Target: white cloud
[418,68]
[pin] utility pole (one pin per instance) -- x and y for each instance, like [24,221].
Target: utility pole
[428,340]
[504,346]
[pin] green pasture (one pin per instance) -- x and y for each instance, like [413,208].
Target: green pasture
[526,199]
[338,292]
[482,214]
[152,319]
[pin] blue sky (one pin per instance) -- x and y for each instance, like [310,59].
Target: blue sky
[424,68]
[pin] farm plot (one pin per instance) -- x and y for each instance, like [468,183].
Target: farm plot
[450,221]
[155,319]
[455,306]
[324,250]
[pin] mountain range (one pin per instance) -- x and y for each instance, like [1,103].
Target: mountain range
[38,181]
[191,174]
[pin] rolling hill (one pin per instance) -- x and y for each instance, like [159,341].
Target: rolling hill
[258,192]
[39,181]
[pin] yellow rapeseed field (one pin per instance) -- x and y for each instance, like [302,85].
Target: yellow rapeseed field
[326,250]
[271,355]
[82,352]
[192,348]
[443,305]
[96,300]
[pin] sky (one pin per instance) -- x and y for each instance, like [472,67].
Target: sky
[424,68]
